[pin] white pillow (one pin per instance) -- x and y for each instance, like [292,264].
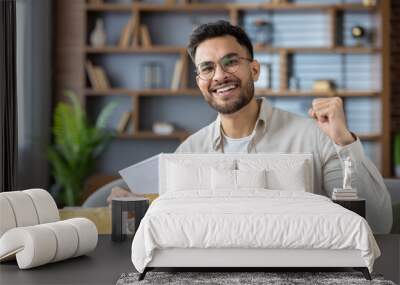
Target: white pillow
[292,179]
[251,178]
[284,174]
[193,175]
[187,177]
[223,179]
[237,179]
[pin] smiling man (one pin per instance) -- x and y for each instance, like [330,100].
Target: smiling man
[226,72]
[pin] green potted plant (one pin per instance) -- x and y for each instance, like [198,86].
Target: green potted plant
[76,146]
[397,155]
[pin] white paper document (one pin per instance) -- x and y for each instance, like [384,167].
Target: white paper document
[142,177]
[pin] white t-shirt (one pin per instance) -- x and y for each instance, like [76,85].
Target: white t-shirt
[241,145]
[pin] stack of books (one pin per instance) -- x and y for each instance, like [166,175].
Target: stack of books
[180,71]
[97,76]
[124,121]
[344,194]
[134,35]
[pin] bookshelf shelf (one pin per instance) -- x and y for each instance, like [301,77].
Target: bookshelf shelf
[340,93]
[204,7]
[109,7]
[144,92]
[178,49]
[360,50]
[196,92]
[151,49]
[144,135]
[182,135]
[370,137]
[169,92]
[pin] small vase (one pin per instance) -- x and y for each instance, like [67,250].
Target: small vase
[98,36]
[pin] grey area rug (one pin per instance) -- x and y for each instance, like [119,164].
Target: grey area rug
[233,278]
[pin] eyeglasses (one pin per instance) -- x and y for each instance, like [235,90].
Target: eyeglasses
[228,63]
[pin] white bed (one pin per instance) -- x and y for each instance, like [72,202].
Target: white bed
[247,211]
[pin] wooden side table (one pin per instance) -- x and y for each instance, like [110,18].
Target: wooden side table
[357,205]
[137,205]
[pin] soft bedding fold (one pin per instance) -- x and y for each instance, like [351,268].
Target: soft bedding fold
[252,218]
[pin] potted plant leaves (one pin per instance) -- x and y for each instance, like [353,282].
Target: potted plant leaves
[397,155]
[76,146]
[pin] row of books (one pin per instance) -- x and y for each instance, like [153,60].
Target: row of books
[344,194]
[97,76]
[167,2]
[134,34]
[124,121]
[99,81]
[180,70]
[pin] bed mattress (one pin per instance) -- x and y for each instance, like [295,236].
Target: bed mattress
[250,219]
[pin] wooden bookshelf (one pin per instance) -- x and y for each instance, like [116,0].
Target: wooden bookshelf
[152,49]
[69,13]
[339,93]
[177,49]
[109,7]
[196,92]
[215,7]
[182,135]
[360,50]
[144,92]
[149,135]
[370,137]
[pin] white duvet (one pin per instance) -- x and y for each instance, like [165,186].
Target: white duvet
[250,219]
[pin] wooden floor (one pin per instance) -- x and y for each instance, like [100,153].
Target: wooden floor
[106,264]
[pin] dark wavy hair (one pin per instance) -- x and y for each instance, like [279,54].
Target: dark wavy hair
[218,29]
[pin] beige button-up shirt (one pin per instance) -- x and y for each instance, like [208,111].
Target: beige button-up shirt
[278,131]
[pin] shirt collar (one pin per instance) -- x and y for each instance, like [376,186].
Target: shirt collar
[261,124]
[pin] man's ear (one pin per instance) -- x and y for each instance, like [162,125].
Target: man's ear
[255,70]
[197,80]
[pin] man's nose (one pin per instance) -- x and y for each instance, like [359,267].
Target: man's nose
[219,74]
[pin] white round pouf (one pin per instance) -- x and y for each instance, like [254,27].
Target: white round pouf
[66,237]
[7,215]
[33,246]
[45,205]
[31,232]
[87,234]
[23,208]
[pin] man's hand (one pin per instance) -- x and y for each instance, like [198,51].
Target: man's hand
[329,115]
[118,192]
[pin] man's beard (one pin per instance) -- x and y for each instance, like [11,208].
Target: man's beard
[245,96]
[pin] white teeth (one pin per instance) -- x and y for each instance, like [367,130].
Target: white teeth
[226,88]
